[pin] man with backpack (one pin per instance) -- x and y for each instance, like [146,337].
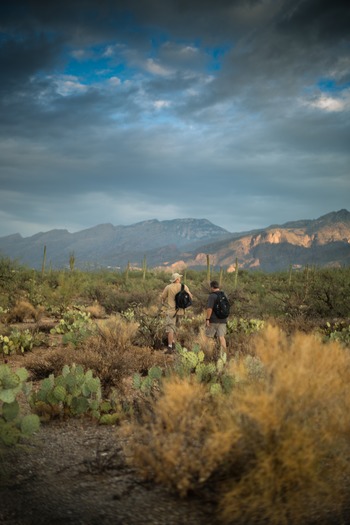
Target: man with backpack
[218,309]
[176,297]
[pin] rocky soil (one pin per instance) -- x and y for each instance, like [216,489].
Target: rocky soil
[75,472]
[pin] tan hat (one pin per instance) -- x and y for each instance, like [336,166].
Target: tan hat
[175,276]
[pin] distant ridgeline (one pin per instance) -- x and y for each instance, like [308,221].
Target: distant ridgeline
[181,243]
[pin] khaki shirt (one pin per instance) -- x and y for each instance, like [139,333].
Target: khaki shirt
[168,297]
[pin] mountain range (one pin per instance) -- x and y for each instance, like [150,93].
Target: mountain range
[186,243]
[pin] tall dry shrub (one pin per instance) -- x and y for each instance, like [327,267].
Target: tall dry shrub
[294,429]
[173,443]
[275,450]
[23,311]
[109,353]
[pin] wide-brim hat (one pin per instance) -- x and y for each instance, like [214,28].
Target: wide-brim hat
[175,276]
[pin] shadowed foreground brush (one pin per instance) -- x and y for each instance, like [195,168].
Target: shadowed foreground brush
[275,450]
[295,428]
[169,443]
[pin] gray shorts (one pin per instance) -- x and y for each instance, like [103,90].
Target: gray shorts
[216,329]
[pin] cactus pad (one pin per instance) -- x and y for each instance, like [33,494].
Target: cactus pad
[30,424]
[10,410]
[59,393]
[215,389]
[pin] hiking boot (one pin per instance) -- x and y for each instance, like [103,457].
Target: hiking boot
[169,350]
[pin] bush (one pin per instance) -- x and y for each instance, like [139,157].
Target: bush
[274,449]
[22,311]
[172,439]
[109,353]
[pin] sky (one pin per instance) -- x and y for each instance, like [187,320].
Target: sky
[235,111]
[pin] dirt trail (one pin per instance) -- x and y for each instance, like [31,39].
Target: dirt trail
[75,472]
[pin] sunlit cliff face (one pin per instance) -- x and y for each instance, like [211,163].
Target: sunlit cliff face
[251,249]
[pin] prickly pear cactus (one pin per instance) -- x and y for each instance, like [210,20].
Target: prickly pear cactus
[205,372]
[11,383]
[73,393]
[221,362]
[227,383]
[80,405]
[150,382]
[92,385]
[59,393]
[109,419]
[137,381]
[214,374]
[215,389]
[155,372]
[147,384]
[189,359]
[14,426]
[17,341]
[10,410]
[30,424]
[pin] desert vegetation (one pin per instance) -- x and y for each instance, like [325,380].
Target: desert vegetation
[261,430]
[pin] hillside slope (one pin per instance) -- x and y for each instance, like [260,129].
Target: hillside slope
[181,243]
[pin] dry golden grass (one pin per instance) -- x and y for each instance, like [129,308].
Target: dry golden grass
[116,333]
[276,450]
[24,311]
[96,311]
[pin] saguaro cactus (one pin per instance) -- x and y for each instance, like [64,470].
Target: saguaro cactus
[44,261]
[236,274]
[144,268]
[208,267]
[71,261]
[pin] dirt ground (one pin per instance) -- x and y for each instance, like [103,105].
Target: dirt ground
[75,472]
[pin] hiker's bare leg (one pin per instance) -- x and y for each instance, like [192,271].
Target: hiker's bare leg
[170,337]
[222,342]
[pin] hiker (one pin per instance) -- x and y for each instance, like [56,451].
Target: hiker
[215,325]
[173,314]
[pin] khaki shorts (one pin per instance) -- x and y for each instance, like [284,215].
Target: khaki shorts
[171,322]
[216,329]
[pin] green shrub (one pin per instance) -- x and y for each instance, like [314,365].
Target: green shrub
[151,328]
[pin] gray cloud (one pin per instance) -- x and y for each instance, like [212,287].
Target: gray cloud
[118,112]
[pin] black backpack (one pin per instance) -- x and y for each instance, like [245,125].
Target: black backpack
[221,306]
[182,298]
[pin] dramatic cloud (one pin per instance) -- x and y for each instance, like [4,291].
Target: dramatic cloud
[235,111]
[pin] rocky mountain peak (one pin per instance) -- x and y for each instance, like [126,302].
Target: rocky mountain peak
[323,242]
